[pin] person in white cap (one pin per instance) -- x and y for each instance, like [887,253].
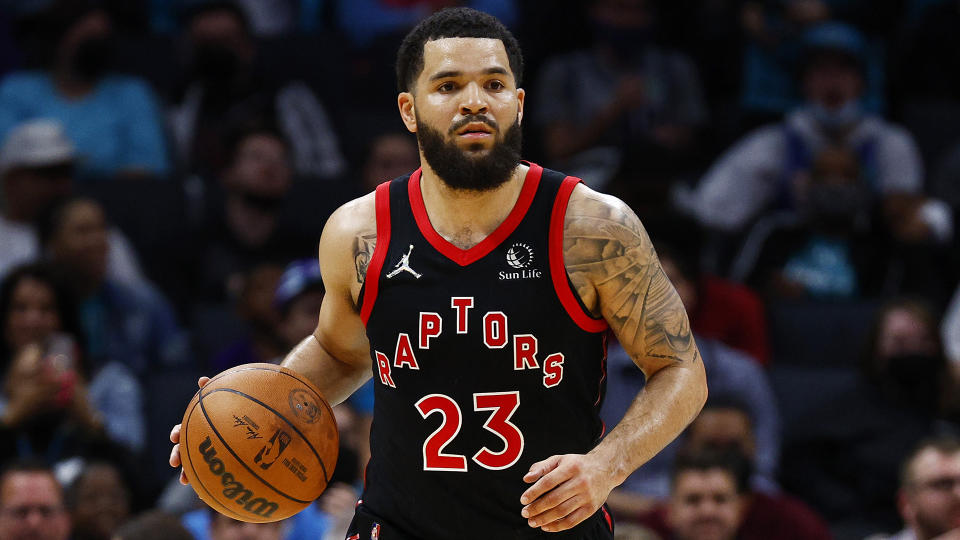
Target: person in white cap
[37,163]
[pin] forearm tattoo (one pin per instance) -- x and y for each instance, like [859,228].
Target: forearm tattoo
[613,266]
[363,247]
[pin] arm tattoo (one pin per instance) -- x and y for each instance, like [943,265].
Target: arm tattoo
[363,247]
[613,266]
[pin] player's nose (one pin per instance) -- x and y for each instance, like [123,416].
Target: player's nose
[473,99]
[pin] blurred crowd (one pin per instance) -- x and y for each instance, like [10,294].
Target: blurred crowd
[166,168]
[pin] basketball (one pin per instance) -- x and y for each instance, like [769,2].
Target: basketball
[258,443]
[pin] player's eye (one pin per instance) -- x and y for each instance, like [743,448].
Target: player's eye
[446,87]
[496,85]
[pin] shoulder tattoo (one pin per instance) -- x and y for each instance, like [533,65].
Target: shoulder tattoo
[363,247]
[612,264]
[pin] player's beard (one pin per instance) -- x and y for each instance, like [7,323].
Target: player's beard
[459,170]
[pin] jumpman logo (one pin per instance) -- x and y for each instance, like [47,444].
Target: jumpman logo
[404,266]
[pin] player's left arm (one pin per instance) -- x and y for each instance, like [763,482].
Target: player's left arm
[614,268]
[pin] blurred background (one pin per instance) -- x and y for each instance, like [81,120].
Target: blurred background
[167,166]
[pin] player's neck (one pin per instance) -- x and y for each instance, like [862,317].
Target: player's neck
[465,218]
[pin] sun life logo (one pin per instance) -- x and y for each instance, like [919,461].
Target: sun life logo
[519,256]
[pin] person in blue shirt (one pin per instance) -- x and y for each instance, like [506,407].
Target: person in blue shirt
[114,121]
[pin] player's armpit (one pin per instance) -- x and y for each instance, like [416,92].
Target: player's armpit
[614,268]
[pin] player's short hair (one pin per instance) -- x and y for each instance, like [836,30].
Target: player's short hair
[453,23]
[730,461]
[943,444]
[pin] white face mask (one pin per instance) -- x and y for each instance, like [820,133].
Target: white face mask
[842,117]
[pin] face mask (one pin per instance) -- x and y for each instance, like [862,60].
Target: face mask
[263,203]
[215,64]
[914,379]
[92,58]
[841,118]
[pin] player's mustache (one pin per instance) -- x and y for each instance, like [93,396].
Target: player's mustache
[469,119]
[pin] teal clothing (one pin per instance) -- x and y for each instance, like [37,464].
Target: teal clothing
[117,126]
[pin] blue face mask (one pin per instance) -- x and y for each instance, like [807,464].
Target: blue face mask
[837,119]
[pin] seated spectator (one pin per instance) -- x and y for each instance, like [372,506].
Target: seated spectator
[113,120]
[765,170]
[773,48]
[733,377]
[388,156]
[99,501]
[244,228]
[38,315]
[710,498]
[623,105]
[843,459]
[950,332]
[929,498]
[153,525]
[37,164]
[905,359]
[719,309]
[828,249]
[263,341]
[222,93]
[127,323]
[31,503]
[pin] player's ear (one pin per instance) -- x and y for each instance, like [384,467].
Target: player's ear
[407,111]
[521,94]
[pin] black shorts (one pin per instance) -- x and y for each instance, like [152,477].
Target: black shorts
[368,526]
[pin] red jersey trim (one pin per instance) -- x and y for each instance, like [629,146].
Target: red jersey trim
[372,279]
[558,271]
[464,257]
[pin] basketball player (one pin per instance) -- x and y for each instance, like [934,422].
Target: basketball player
[479,290]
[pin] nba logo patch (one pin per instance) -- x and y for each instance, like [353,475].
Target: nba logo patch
[375,532]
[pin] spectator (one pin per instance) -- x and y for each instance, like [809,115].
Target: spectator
[828,249]
[389,155]
[263,341]
[153,525]
[710,498]
[950,333]
[37,163]
[37,312]
[114,120]
[767,168]
[244,227]
[132,324]
[622,105]
[719,309]
[842,458]
[929,498]
[206,524]
[31,504]
[99,502]
[773,50]
[733,376]
[905,358]
[222,93]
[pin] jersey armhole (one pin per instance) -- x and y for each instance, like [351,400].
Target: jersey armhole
[371,280]
[558,271]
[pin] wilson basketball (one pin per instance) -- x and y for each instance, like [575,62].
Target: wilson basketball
[258,443]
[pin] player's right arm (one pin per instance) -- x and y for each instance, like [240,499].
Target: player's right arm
[336,357]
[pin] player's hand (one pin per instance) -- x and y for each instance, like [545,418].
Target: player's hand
[566,490]
[175,439]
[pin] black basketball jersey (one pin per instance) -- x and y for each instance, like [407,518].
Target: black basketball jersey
[484,363]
